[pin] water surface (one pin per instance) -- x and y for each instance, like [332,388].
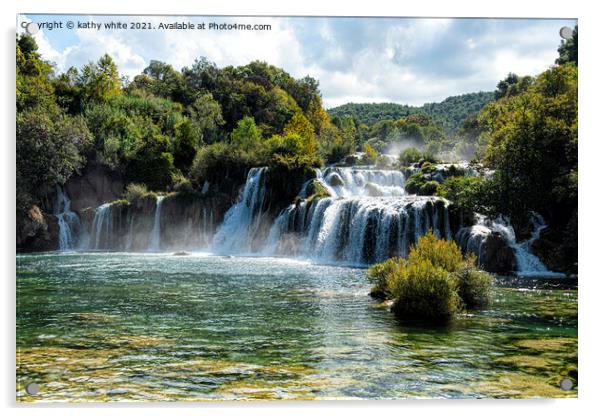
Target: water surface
[136,327]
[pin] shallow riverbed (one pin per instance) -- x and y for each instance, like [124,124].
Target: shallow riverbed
[134,327]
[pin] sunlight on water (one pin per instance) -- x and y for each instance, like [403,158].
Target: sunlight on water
[134,327]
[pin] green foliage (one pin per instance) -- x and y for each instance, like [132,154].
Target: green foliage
[218,160]
[299,126]
[162,80]
[33,87]
[384,276]
[512,85]
[474,286]
[185,145]
[434,283]
[441,253]
[183,185]
[409,156]
[427,292]
[421,184]
[289,151]
[153,164]
[450,113]
[100,80]
[470,193]
[50,147]
[134,191]
[246,135]
[206,114]
[370,155]
[532,145]
[413,155]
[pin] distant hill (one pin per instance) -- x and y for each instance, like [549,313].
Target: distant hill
[450,113]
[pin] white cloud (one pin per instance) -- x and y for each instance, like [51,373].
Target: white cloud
[362,60]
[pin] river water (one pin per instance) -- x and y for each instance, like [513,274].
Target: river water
[135,327]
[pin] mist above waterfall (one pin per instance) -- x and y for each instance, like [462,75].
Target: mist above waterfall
[397,146]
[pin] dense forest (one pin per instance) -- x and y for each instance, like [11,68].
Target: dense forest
[165,128]
[170,130]
[450,113]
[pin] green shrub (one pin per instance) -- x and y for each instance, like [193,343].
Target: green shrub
[219,160]
[182,184]
[135,191]
[428,188]
[474,287]
[153,164]
[420,184]
[426,292]
[441,253]
[467,192]
[434,283]
[370,155]
[409,156]
[413,155]
[289,152]
[384,276]
[316,191]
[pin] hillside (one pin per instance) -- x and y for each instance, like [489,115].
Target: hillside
[450,113]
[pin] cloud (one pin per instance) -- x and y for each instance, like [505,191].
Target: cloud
[355,59]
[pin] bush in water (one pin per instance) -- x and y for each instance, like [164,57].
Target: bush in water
[435,282]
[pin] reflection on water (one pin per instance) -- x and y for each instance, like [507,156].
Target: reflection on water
[132,327]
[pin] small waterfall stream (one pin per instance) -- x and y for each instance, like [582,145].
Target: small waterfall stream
[102,226]
[155,240]
[473,239]
[236,233]
[72,234]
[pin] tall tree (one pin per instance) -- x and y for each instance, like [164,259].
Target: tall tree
[100,81]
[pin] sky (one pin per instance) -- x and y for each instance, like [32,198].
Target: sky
[363,60]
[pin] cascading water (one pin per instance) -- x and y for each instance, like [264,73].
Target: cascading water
[206,229]
[474,239]
[155,240]
[527,263]
[238,230]
[72,234]
[368,218]
[102,228]
[349,182]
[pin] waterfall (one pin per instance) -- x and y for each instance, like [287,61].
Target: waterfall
[205,228]
[130,237]
[155,241]
[474,239]
[528,264]
[355,230]
[236,233]
[102,226]
[348,182]
[368,218]
[72,234]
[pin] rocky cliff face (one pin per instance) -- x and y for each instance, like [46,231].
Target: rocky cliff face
[37,231]
[97,185]
[498,256]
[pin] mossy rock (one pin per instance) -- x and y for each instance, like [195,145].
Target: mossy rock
[335,180]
